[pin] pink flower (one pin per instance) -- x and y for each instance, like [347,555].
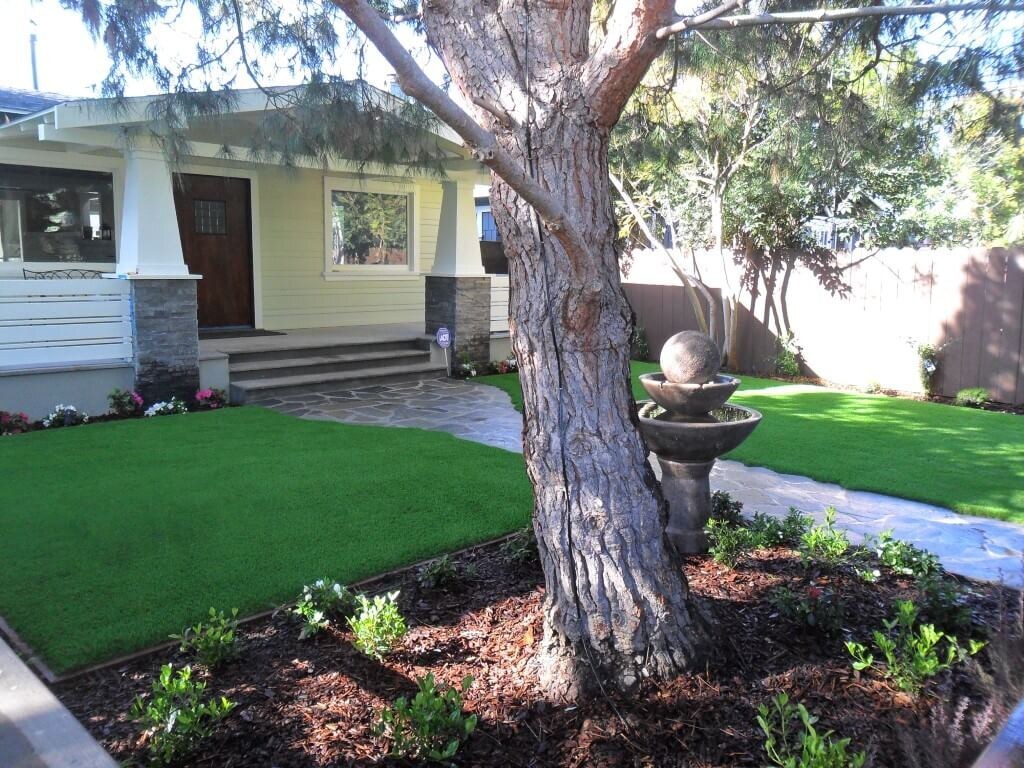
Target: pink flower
[814,593]
[137,398]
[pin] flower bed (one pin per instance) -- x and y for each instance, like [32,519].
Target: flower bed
[319,701]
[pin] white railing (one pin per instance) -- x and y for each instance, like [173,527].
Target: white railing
[45,323]
[499,303]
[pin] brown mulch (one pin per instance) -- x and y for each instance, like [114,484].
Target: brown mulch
[315,702]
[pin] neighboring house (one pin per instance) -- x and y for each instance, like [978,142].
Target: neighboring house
[222,245]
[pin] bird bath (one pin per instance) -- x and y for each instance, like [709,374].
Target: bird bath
[688,425]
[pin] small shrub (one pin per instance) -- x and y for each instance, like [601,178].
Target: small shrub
[14,423]
[787,359]
[824,543]
[211,399]
[166,408]
[972,397]
[903,557]
[125,403]
[725,509]
[440,573]
[214,642]
[814,608]
[430,727]
[64,416]
[928,365]
[521,549]
[175,718]
[940,601]
[377,625]
[639,348]
[508,365]
[802,747]
[912,652]
[728,544]
[319,603]
[769,531]
[873,388]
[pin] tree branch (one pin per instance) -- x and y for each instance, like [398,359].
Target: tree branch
[618,65]
[483,144]
[824,15]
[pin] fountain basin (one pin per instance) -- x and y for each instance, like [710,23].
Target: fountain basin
[689,399]
[696,439]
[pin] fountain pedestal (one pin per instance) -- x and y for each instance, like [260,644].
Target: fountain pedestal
[687,490]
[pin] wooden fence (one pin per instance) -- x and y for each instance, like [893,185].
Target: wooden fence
[44,323]
[967,302]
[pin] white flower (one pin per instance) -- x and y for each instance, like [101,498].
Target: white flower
[337,589]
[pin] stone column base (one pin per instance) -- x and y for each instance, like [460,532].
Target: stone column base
[165,337]
[463,305]
[688,492]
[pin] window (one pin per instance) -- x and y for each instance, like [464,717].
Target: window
[211,217]
[56,215]
[488,228]
[369,227]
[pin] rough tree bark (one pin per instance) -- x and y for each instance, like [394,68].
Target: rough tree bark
[616,605]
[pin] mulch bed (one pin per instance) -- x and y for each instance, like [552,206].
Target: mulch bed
[315,702]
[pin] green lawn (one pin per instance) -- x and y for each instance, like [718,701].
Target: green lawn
[968,460]
[114,535]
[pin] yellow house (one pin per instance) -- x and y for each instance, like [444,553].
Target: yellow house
[117,269]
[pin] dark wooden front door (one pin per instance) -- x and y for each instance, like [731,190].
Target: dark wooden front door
[215,222]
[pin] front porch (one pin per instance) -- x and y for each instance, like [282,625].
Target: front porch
[241,245]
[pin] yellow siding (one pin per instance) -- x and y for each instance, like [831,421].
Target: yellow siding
[295,294]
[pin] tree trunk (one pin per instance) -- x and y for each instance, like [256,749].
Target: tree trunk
[616,605]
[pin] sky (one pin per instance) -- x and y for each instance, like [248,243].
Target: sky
[70,62]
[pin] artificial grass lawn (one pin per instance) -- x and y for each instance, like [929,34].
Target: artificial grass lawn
[114,535]
[968,460]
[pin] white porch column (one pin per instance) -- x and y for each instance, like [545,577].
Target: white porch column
[165,333]
[458,246]
[458,291]
[150,246]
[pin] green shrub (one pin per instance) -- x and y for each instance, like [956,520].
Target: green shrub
[816,609]
[973,397]
[125,403]
[940,601]
[824,544]
[769,531]
[377,625]
[175,718]
[521,548]
[724,508]
[787,359]
[319,603]
[727,544]
[212,643]
[440,573]
[802,747]
[639,349]
[912,652]
[432,726]
[903,557]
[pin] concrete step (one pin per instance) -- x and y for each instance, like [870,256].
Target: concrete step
[302,363]
[285,350]
[281,386]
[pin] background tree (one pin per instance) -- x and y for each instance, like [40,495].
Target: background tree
[544,84]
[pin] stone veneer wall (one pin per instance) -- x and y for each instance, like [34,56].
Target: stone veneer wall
[166,338]
[463,304]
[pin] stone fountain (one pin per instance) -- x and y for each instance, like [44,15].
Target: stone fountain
[689,425]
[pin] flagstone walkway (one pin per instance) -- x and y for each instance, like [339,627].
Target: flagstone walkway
[970,546]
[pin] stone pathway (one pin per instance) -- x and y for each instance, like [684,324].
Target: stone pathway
[472,411]
[970,546]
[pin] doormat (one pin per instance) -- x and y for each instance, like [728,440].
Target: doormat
[237,333]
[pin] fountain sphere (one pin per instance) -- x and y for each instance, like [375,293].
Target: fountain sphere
[690,357]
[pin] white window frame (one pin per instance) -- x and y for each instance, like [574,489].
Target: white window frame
[334,271]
